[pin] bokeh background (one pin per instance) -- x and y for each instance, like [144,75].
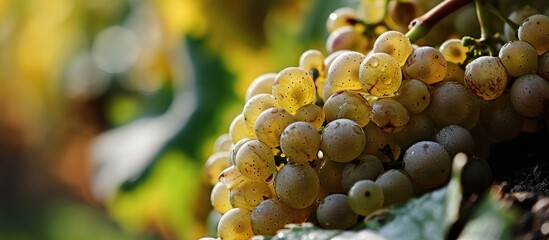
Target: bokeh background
[109,108]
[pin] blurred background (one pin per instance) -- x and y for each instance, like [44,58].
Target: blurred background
[109,108]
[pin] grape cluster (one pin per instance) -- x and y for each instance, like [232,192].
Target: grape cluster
[371,124]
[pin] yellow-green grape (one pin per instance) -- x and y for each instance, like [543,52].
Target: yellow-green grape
[219,198]
[500,120]
[543,65]
[249,194]
[320,82]
[365,197]
[297,185]
[235,149]
[343,74]
[396,186]
[530,95]
[517,16]
[313,60]
[395,44]
[262,84]
[421,127]
[454,51]
[365,167]
[347,104]
[231,177]
[372,11]
[451,103]
[401,13]
[426,64]
[238,129]
[519,58]
[389,115]
[223,143]
[334,212]
[380,74]
[414,95]
[535,30]
[270,124]
[255,106]
[215,164]
[427,163]
[380,143]
[300,141]
[346,38]
[454,73]
[486,77]
[294,88]
[235,225]
[455,139]
[341,17]
[270,216]
[330,175]
[342,140]
[255,160]
[312,114]
[331,57]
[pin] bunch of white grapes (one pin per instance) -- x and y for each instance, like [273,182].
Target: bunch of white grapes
[367,126]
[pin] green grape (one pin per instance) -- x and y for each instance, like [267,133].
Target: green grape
[300,141]
[395,44]
[235,148]
[347,104]
[341,17]
[262,84]
[455,139]
[426,64]
[380,74]
[272,215]
[396,186]
[255,106]
[332,56]
[297,185]
[427,163]
[414,95]
[270,124]
[248,194]
[543,65]
[372,11]
[330,175]
[365,196]
[235,225]
[380,143]
[535,30]
[530,95]
[476,176]
[517,16]
[454,73]
[294,88]
[451,103]
[231,177]
[219,198]
[215,164]
[519,58]
[343,73]
[334,212]
[346,38]
[255,160]
[311,114]
[421,127]
[401,13]
[238,129]
[454,51]
[500,120]
[365,167]
[389,115]
[223,143]
[342,140]
[313,59]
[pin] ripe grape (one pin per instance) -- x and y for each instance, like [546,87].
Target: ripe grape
[519,58]
[535,30]
[311,114]
[421,127]
[451,103]
[342,140]
[219,198]
[401,13]
[530,95]
[238,129]
[365,197]
[262,84]
[223,143]
[426,64]
[396,186]
[414,95]
[380,143]
[455,139]
[300,141]
[248,194]
[294,88]
[343,73]
[427,163]
[271,215]
[215,164]
[340,17]
[297,185]
[454,73]
[334,212]
[235,149]
[395,44]
[330,175]
[389,115]
[500,120]
[255,160]
[235,224]
[476,176]
[543,65]
[454,51]
[347,104]
[312,60]
[517,16]
[380,74]
[270,124]
[346,38]
[255,106]
[371,11]
[231,177]
[365,167]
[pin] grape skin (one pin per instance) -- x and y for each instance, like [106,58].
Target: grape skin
[535,30]
[343,73]
[255,106]
[262,84]
[427,163]
[347,104]
[519,58]
[346,38]
[342,140]
[270,124]
[543,65]
[255,160]
[396,186]
[389,115]
[300,141]
[330,175]
[248,194]
[426,64]
[312,59]
[455,139]
[271,215]
[297,185]
[311,114]
[340,17]
[334,212]
[451,103]
[414,95]
[530,95]
[380,74]
[500,120]
[219,198]
[294,88]
[365,197]
[395,44]
[235,225]
[454,51]
[215,164]
[238,129]
[365,167]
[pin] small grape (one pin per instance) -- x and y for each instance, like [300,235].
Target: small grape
[231,177]
[380,74]
[342,140]
[347,104]
[294,88]
[500,120]
[255,160]
[300,141]
[297,185]
[421,127]
[334,212]
[455,139]
[427,163]
[365,197]
[235,224]
[271,215]
[238,129]
[530,95]
[414,95]
[454,73]
[451,103]
[365,167]
[311,114]
[535,30]
[346,38]
[219,198]
[426,64]
[380,143]
[235,149]
[215,164]
[371,11]
[396,186]
[517,16]
[330,175]
[343,74]
[401,13]
[543,65]
[312,59]
[519,58]
[270,124]
[248,194]
[262,84]
[340,17]
[255,106]
[395,44]
[223,143]
[476,176]
[389,115]
[454,51]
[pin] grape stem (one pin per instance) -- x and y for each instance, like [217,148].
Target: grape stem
[485,33]
[420,26]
